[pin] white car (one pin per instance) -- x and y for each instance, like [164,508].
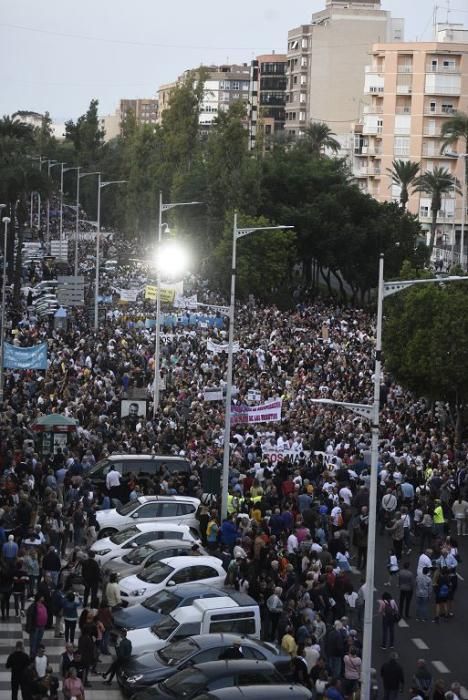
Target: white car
[135,535]
[170,572]
[176,509]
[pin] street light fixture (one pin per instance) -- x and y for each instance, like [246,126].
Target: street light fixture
[101,184]
[50,164]
[77,226]
[6,221]
[372,412]
[236,234]
[157,379]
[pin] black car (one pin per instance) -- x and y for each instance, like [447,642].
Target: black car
[155,666]
[193,681]
[163,603]
[259,692]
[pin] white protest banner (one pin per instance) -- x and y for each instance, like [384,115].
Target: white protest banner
[127,295]
[212,346]
[213,393]
[275,454]
[254,395]
[269,412]
[186,302]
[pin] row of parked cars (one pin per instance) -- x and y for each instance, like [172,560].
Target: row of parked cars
[182,621]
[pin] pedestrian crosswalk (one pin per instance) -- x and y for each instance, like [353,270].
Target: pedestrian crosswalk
[13,631]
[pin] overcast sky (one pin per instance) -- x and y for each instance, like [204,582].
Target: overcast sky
[56,55]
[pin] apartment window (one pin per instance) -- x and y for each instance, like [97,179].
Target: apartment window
[302,116]
[235,85]
[447,108]
[432,107]
[424,211]
[295,80]
[449,64]
[434,64]
[293,45]
[304,62]
[303,80]
[401,146]
[245,85]
[302,98]
[305,43]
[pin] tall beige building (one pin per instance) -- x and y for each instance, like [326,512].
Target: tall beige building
[326,60]
[414,88]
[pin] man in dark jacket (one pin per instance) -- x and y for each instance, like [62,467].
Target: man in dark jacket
[91,577]
[393,678]
[51,564]
[124,652]
[17,662]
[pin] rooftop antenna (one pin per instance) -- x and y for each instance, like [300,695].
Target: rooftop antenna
[448,12]
[434,22]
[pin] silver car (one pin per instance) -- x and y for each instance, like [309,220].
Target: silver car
[146,554]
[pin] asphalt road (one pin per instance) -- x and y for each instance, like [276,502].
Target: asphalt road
[444,646]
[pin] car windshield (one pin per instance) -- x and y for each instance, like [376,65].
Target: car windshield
[185,683]
[127,508]
[178,651]
[124,535]
[165,627]
[138,555]
[156,573]
[163,602]
[102,464]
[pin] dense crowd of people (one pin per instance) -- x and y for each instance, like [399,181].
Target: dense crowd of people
[295,538]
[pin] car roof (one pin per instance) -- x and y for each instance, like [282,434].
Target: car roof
[181,561]
[215,668]
[213,639]
[163,544]
[257,692]
[161,526]
[166,499]
[189,613]
[187,590]
[162,458]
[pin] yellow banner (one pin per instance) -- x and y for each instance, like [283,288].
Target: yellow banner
[167,295]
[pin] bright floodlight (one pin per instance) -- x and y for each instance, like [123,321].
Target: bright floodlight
[172,259]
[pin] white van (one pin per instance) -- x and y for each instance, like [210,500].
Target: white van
[235,613]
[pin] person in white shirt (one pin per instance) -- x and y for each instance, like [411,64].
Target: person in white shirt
[40,662]
[292,544]
[112,478]
[424,561]
[346,494]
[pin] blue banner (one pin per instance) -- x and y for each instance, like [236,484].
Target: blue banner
[25,358]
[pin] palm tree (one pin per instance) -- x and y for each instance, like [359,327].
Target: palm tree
[454,129]
[435,183]
[318,136]
[403,173]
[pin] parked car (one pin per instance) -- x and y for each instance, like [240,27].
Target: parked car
[169,572]
[259,692]
[177,509]
[144,466]
[123,541]
[235,613]
[148,669]
[201,678]
[140,558]
[157,606]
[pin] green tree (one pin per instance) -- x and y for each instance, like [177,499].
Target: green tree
[454,130]
[86,136]
[264,261]
[19,176]
[318,138]
[436,184]
[426,343]
[403,173]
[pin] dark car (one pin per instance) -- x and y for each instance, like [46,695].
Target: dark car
[155,666]
[144,466]
[193,681]
[157,606]
[259,692]
[146,554]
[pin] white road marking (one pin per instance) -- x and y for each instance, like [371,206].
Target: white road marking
[460,577]
[420,643]
[440,667]
[464,693]
[403,623]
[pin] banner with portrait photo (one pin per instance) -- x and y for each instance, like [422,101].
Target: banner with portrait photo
[133,408]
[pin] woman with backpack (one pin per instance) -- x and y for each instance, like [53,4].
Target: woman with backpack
[388,609]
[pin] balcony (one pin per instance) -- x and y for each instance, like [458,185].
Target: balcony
[405,68]
[403,110]
[433,153]
[404,89]
[434,133]
[428,112]
[373,109]
[362,172]
[442,69]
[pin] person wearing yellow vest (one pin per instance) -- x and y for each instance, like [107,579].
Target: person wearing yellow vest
[439,519]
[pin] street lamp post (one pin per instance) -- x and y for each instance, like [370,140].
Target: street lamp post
[372,412]
[98,241]
[50,164]
[157,379]
[79,175]
[236,234]
[6,221]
